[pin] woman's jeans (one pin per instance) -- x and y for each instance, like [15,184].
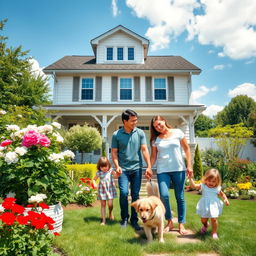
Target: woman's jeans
[134,177]
[178,180]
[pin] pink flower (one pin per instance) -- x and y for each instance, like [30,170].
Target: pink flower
[31,138]
[44,140]
[6,143]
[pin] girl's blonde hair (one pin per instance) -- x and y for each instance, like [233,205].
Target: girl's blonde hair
[212,174]
[103,162]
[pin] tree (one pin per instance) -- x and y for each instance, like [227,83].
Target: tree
[202,125]
[198,166]
[18,86]
[237,111]
[231,139]
[84,139]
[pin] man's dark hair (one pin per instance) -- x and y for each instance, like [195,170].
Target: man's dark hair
[127,113]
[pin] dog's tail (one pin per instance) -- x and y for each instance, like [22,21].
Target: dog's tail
[152,189]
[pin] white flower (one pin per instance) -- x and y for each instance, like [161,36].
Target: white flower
[79,192]
[21,150]
[10,194]
[86,188]
[2,154]
[2,112]
[1,208]
[37,198]
[251,192]
[68,153]
[45,129]
[31,128]
[12,127]
[18,134]
[58,137]
[2,148]
[19,115]
[11,157]
[56,125]
[55,157]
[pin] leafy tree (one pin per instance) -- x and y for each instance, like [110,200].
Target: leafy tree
[202,125]
[237,111]
[197,166]
[84,139]
[231,139]
[18,86]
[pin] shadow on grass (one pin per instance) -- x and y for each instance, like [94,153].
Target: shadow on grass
[98,220]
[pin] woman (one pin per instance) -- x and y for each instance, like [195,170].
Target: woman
[166,147]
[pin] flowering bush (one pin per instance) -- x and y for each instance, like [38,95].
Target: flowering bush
[245,186]
[87,193]
[24,233]
[31,163]
[231,192]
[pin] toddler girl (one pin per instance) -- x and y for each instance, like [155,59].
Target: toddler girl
[106,187]
[210,206]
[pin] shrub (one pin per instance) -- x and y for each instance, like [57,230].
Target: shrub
[212,158]
[78,171]
[197,166]
[238,168]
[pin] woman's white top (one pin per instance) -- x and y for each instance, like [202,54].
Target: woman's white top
[209,206]
[169,152]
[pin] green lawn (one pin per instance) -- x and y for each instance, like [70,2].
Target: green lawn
[82,234]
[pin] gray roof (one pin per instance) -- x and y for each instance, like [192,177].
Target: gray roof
[175,63]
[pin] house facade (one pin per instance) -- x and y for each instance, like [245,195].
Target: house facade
[121,75]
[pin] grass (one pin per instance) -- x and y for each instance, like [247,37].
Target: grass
[82,234]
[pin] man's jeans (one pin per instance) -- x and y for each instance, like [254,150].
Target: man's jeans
[178,181]
[134,177]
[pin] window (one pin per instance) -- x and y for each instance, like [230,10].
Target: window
[109,53]
[120,53]
[130,53]
[125,88]
[160,88]
[87,89]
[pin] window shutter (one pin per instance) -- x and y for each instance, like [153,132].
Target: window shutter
[114,88]
[75,91]
[171,95]
[98,88]
[136,81]
[148,88]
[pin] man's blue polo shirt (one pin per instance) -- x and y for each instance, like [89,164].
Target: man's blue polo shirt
[129,148]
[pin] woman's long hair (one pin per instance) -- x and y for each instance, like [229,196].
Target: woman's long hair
[153,132]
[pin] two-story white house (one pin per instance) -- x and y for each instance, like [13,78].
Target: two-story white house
[120,75]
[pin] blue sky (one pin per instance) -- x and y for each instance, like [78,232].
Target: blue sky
[217,36]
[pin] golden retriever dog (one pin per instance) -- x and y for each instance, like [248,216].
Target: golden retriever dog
[151,211]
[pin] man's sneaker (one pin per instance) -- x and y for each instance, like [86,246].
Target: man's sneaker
[124,223]
[136,226]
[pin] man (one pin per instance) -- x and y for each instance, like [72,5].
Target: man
[127,145]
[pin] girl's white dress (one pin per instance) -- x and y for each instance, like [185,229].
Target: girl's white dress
[209,206]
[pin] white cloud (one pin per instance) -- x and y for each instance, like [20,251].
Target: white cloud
[228,24]
[212,110]
[201,92]
[36,70]
[219,67]
[244,89]
[114,7]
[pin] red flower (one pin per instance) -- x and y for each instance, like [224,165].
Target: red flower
[30,206]
[44,206]
[56,233]
[83,180]
[8,203]
[6,143]
[50,227]
[18,209]
[8,218]
[23,220]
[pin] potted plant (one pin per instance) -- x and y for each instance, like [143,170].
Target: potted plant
[31,163]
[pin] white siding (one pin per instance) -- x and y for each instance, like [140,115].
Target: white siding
[120,39]
[63,89]
[181,90]
[106,89]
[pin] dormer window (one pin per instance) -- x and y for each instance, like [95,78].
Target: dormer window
[130,53]
[120,53]
[110,53]
[160,89]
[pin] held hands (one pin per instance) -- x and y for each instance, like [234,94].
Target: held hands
[189,172]
[118,171]
[148,173]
